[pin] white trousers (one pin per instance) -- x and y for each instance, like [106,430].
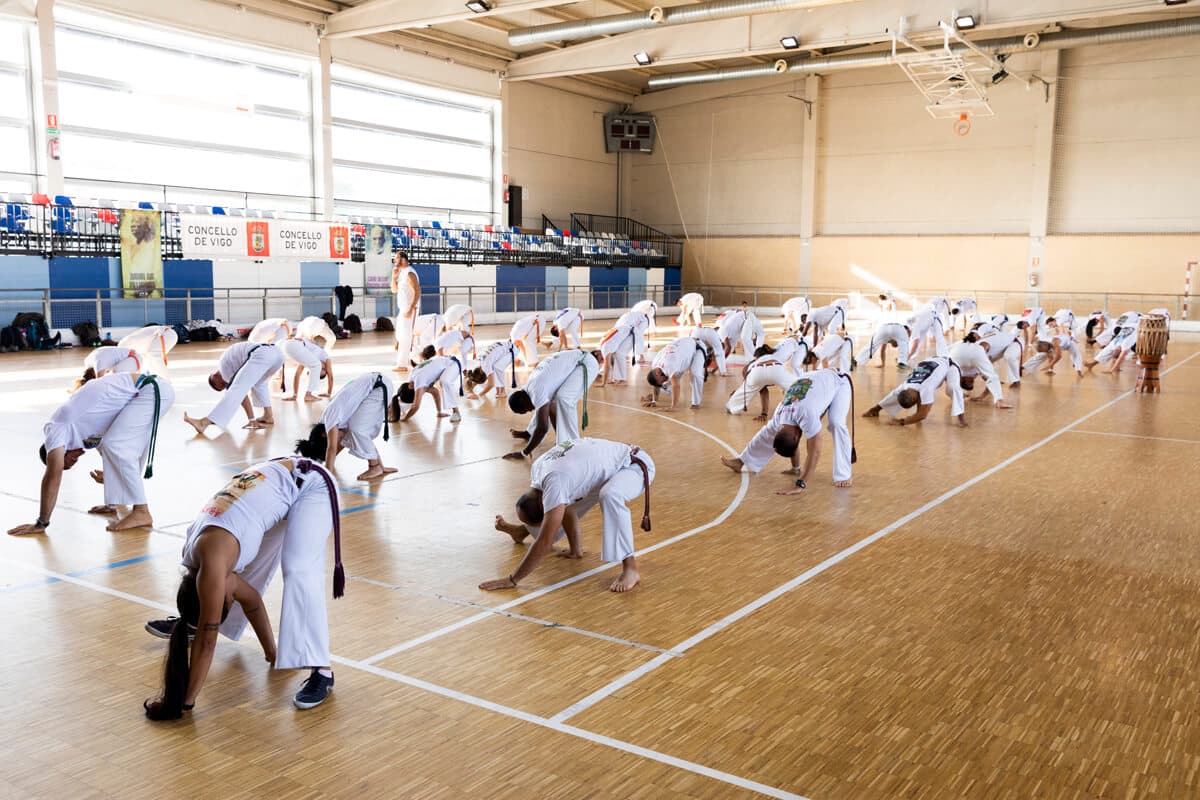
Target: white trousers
[404,329]
[620,359]
[126,444]
[365,424]
[696,374]
[1114,348]
[934,332]
[758,379]
[449,385]
[298,545]
[1012,361]
[880,339]
[762,447]
[527,349]
[691,315]
[566,408]
[613,496]
[571,332]
[252,379]
[299,354]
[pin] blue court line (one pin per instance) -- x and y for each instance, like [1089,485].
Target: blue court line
[346,511]
[89,571]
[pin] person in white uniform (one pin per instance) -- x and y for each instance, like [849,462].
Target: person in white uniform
[691,310]
[104,360]
[1122,343]
[552,393]
[352,421]
[793,351]
[639,323]
[406,286]
[757,377]
[459,317]
[525,335]
[941,307]
[273,330]
[887,303]
[1050,351]
[456,343]
[275,515]
[795,313]
[151,340]
[243,372]
[919,389]
[711,339]
[1030,323]
[964,310]
[118,416]
[565,483]
[1097,323]
[313,328]
[617,352]
[440,376]
[567,324]
[889,333]
[1002,346]
[650,309]
[826,318]
[821,393]
[426,329]
[972,359]
[925,325]
[996,323]
[1121,323]
[684,356]
[731,328]
[836,351]
[494,363]
[311,356]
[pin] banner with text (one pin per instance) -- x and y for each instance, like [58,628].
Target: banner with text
[379,260]
[236,237]
[141,253]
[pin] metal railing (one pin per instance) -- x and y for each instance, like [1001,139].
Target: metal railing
[116,308]
[989,302]
[632,230]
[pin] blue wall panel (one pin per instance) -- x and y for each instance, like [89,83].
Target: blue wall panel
[77,279]
[610,287]
[556,287]
[188,274]
[22,272]
[637,285]
[672,285]
[520,288]
[315,279]
[429,276]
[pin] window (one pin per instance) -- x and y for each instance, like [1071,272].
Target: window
[16,136]
[192,118]
[405,150]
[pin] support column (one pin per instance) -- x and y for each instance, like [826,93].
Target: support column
[1045,126]
[808,178]
[323,132]
[45,64]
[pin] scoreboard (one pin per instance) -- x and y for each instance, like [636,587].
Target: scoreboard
[629,133]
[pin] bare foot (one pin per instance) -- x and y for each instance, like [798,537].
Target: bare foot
[265,420]
[198,424]
[565,552]
[843,484]
[291,399]
[760,418]
[626,581]
[104,510]
[139,518]
[734,464]
[471,396]
[1002,404]
[515,455]
[519,434]
[253,425]
[871,413]
[376,472]
[309,397]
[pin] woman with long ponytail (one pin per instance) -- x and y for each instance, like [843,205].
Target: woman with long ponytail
[353,419]
[277,514]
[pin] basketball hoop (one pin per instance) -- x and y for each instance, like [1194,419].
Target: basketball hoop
[962,125]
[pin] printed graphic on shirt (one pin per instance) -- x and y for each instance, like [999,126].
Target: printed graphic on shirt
[91,442]
[241,483]
[921,373]
[797,391]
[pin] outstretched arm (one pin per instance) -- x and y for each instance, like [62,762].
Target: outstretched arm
[812,456]
[416,405]
[551,522]
[332,446]
[256,612]
[329,378]
[210,584]
[51,483]
[922,412]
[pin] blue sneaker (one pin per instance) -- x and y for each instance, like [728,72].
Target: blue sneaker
[313,691]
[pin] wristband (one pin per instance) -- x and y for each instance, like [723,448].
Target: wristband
[800,484]
[188,706]
[42,523]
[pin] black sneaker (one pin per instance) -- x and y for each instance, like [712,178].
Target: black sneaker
[162,628]
[314,690]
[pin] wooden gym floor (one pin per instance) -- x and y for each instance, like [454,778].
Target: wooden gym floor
[1009,610]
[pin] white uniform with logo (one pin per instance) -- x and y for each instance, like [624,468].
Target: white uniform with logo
[815,394]
[926,377]
[359,410]
[562,379]
[282,519]
[246,368]
[582,473]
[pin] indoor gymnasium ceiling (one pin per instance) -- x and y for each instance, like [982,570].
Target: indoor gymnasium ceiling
[448,29]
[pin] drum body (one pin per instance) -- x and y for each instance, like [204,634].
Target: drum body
[1152,334]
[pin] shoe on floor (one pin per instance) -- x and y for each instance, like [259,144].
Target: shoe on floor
[314,691]
[455,416]
[162,628]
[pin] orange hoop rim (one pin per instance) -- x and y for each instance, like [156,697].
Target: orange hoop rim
[963,125]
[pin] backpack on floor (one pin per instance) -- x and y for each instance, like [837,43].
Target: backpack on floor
[11,339]
[207,334]
[332,321]
[182,332]
[88,333]
[353,323]
[384,324]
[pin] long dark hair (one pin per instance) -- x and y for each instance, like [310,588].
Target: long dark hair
[177,671]
[315,445]
[89,374]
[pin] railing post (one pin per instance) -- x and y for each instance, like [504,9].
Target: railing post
[99,310]
[46,309]
[187,310]
[264,303]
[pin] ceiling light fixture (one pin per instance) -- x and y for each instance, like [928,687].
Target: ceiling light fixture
[478,6]
[789,43]
[965,22]
[1175,2]
[643,59]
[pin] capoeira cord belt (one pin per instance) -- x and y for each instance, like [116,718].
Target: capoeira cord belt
[249,353]
[153,382]
[379,384]
[853,432]
[637,462]
[512,351]
[458,364]
[305,466]
[586,383]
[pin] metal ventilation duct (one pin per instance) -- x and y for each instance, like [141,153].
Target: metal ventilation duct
[1014,44]
[639,20]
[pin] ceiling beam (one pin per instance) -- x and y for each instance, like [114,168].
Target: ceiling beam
[863,23]
[377,16]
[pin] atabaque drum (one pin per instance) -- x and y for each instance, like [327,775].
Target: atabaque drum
[1151,347]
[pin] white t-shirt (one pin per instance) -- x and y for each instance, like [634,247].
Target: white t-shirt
[551,373]
[235,356]
[797,305]
[729,326]
[807,399]
[103,359]
[997,343]
[497,356]
[346,401]
[302,351]
[568,317]
[617,339]
[427,373]
[455,314]
[710,339]
[691,299]
[88,413]
[676,358]
[524,326]
[407,288]
[248,506]
[454,338]
[635,320]
[825,315]
[273,329]
[926,377]
[570,471]
[832,345]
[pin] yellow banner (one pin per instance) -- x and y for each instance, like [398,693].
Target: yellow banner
[141,253]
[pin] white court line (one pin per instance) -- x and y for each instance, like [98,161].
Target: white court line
[724,515]
[1135,436]
[748,609]
[478,702]
[545,623]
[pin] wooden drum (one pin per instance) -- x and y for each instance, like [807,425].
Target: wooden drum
[1151,347]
